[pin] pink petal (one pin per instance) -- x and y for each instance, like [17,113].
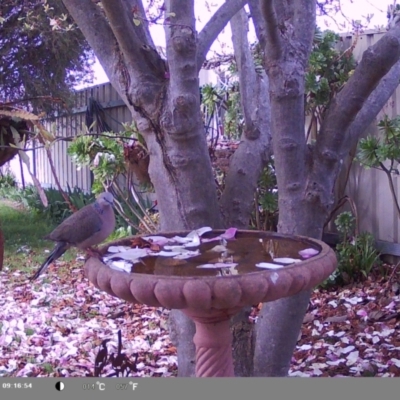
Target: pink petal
[308,253]
[362,313]
[229,233]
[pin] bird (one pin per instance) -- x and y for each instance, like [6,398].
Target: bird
[83,229]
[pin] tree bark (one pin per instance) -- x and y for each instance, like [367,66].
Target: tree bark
[289,32]
[276,341]
[164,100]
[306,174]
[253,152]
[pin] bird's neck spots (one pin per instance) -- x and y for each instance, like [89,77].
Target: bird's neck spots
[98,208]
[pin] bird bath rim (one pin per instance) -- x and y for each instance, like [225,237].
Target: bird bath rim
[214,292]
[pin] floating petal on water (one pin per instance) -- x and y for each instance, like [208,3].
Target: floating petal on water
[219,248]
[117,249]
[131,254]
[307,253]
[218,265]
[163,253]
[287,260]
[187,254]
[268,265]
[121,266]
[160,240]
[229,233]
[200,231]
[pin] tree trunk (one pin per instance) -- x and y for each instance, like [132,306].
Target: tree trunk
[181,332]
[277,328]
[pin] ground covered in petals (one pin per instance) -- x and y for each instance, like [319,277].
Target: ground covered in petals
[56,327]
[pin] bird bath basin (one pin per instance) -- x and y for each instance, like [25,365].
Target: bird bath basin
[233,269]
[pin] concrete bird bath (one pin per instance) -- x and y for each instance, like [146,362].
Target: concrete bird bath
[211,296]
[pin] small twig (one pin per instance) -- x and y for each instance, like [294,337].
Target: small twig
[394,270]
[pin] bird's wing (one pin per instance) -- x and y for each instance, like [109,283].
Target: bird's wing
[78,227]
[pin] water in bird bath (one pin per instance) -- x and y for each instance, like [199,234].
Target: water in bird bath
[206,253]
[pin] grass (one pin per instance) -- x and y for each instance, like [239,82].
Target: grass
[24,244]
[22,228]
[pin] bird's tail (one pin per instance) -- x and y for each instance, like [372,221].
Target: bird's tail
[58,251]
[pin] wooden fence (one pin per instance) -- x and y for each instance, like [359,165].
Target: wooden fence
[369,189]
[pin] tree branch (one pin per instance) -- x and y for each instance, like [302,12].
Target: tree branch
[247,72]
[373,105]
[258,21]
[253,152]
[375,64]
[97,32]
[214,27]
[184,99]
[304,11]
[143,32]
[273,41]
[131,38]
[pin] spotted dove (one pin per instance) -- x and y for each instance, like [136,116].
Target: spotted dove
[85,228]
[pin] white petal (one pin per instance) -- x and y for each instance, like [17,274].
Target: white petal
[219,248]
[174,247]
[121,266]
[218,265]
[202,231]
[194,242]
[181,239]
[268,265]
[163,253]
[131,254]
[117,249]
[187,254]
[287,260]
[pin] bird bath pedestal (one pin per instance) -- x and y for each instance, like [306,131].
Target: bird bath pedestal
[210,300]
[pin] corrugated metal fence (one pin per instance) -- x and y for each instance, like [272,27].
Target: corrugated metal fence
[69,126]
[116,113]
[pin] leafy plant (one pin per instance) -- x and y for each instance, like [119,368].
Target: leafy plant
[265,216]
[357,254]
[7,180]
[57,209]
[383,153]
[224,101]
[106,156]
[328,71]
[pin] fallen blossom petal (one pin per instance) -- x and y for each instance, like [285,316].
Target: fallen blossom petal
[308,253]
[230,233]
[268,265]
[218,265]
[287,260]
[117,249]
[121,266]
[352,358]
[347,349]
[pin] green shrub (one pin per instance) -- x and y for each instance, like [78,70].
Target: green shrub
[357,254]
[7,180]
